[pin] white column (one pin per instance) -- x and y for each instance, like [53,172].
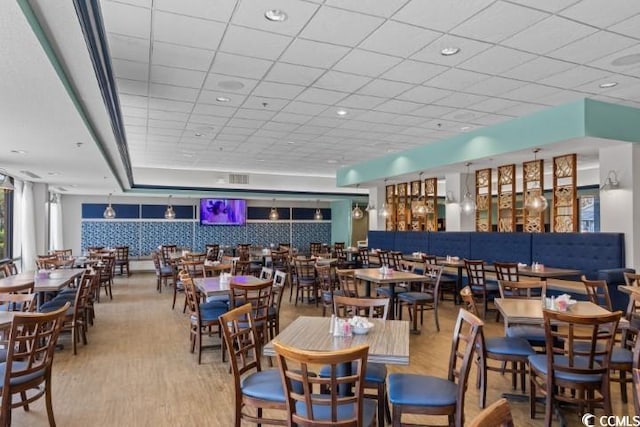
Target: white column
[620,208]
[456,185]
[376,197]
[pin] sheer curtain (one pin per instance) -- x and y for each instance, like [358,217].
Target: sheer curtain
[55,226]
[28,227]
[17,219]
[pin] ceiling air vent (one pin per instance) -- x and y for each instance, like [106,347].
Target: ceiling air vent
[31,174]
[236,178]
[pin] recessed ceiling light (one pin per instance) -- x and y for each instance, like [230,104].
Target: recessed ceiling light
[465,128]
[634,58]
[448,51]
[332,161]
[275,15]
[261,160]
[390,150]
[189,155]
[607,85]
[231,85]
[291,142]
[18,152]
[53,173]
[342,112]
[223,99]
[198,134]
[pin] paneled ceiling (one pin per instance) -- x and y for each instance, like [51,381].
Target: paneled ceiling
[214,86]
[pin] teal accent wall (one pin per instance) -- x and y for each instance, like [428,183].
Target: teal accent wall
[341,221]
[579,119]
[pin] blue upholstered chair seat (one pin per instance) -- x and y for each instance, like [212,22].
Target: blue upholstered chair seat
[346,411]
[490,285]
[211,310]
[18,366]
[166,270]
[539,362]
[621,355]
[375,373]
[384,290]
[53,305]
[68,290]
[421,390]
[509,346]
[265,385]
[528,332]
[219,298]
[416,296]
[3,355]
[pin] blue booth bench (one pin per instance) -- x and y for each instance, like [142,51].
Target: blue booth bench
[596,255]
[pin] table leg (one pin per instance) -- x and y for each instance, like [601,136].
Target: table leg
[343,370]
[392,293]
[458,287]
[367,288]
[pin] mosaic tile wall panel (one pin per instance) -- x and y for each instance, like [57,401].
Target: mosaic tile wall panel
[222,235]
[264,233]
[306,232]
[156,233]
[110,234]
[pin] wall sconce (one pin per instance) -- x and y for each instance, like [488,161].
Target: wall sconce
[449,198]
[109,212]
[611,183]
[169,213]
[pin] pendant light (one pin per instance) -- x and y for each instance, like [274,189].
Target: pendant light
[169,213]
[467,204]
[535,203]
[420,207]
[109,212]
[318,214]
[356,213]
[385,211]
[273,213]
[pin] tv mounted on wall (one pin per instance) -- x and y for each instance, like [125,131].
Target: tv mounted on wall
[223,211]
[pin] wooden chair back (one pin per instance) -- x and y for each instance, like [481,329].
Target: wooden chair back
[498,414]
[338,245]
[475,273]
[17,302]
[364,256]
[63,254]
[305,268]
[470,303]
[9,269]
[522,290]
[193,268]
[598,292]
[507,271]
[395,260]
[297,372]
[279,282]
[195,256]
[368,307]
[191,296]
[211,249]
[384,258]
[241,340]
[434,272]
[347,281]
[631,279]
[266,273]
[315,248]
[258,295]
[429,259]
[47,262]
[122,253]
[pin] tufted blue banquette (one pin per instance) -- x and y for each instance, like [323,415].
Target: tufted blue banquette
[454,243]
[501,247]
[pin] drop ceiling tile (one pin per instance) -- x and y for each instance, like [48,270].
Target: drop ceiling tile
[187,31]
[384,88]
[432,111]
[130,70]
[441,15]
[462,115]
[340,27]
[289,127]
[398,39]
[291,118]
[254,43]
[359,125]
[250,14]
[277,90]
[313,130]
[214,110]
[361,101]
[549,34]
[163,131]
[499,21]
[264,103]
[592,47]
[409,71]
[128,48]
[423,94]
[593,12]
[220,10]
[460,100]
[313,54]
[335,80]
[520,110]
[468,48]
[538,69]
[406,120]
[229,84]
[181,56]
[456,79]
[494,86]
[270,134]
[168,124]
[529,92]
[397,106]
[210,97]
[321,96]
[330,122]
[247,113]
[629,27]
[293,74]
[127,20]
[371,7]
[366,63]
[573,77]
[132,87]
[493,105]
[175,93]
[548,5]
[134,121]
[376,117]
[235,65]
[310,109]
[630,58]
[624,84]
[493,119]
[197,120]
[560,97]
[496,60]
[387,128]
[177,76]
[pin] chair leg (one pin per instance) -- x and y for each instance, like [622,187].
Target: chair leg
[382,402]
[49,404]
[623,386]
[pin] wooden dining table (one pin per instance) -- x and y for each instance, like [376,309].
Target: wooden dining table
[211,286]
[373,275]
[57,280]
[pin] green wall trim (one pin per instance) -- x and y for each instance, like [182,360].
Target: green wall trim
[580,119]
[341,221]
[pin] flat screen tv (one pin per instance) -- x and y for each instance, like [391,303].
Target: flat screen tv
[223,211]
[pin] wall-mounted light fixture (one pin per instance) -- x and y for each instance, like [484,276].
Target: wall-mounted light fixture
[611,183]
[449,197]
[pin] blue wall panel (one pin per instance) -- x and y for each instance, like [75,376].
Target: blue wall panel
[156,233]
[225,235]
[265,233]
[110,234]
[306,232]
[96,210]
[157,211]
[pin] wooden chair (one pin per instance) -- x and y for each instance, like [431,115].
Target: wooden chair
[106,275]
[570,372]
[166,252]
[498,414]
[260,297]
[266,273]
[326,287]
[9,269]
[122,259]
[507,271]
[622,359]
[305,279]
[425,299]
[47,262]
[62,254]
[598,292]
[30,351]
[306,407]
[470,303]
[315,248]
[17,302]
[212,250]
[363,258]
[483,290]
[194,269]
[255,388]
[384,258]
[427,395]
[163,274]
[375,373]
[279,282]
[202,316]
[347,283]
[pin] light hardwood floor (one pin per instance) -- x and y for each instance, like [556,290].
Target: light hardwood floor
[137,369]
